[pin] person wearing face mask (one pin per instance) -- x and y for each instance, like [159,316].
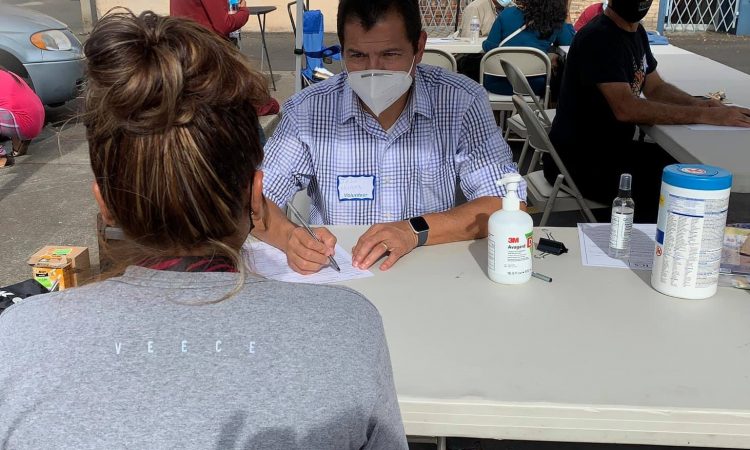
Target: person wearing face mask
[609,66]
[589,13]
[384,143]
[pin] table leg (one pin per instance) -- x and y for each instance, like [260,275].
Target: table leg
[262,26]
[442,443]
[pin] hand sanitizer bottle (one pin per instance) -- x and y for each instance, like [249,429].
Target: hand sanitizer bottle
[621,225]
[510,240]
[474,27]
[234,6]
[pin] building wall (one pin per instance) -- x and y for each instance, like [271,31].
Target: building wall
[577,7]
[278,21]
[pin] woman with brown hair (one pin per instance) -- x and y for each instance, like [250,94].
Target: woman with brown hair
[187,349]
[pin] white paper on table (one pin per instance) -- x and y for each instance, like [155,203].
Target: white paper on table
[594,239]
[715,128]
[445,39]
[270,262]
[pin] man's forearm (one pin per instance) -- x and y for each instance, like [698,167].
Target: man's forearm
[670,94]
[465,222]
[649,112]
[276,229]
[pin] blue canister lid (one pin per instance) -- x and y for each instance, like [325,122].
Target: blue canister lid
[697,176]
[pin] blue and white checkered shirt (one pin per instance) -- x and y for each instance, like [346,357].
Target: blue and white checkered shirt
[446,134]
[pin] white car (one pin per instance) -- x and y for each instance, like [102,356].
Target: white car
[43,51]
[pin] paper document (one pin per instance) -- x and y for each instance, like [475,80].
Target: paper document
[445,39]
[715,128]
[594,238]
[735,253]
[270,262]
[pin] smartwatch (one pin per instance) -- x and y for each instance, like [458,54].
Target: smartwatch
[420,228]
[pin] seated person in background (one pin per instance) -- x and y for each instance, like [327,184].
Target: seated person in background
[609,65]
[485,10]
[212,14]
[21,116]
[386,149]
[542,25]
[589,13]
[185,350]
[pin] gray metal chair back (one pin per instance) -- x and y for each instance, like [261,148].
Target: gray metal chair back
[439,58]
[521,87]
[540,141]
[528,60]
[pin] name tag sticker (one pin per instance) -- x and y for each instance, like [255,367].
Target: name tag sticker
[356,187]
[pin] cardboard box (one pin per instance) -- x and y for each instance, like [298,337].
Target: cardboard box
[53,272]
[77,257]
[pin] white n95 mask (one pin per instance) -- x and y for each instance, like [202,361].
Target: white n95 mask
[379,89]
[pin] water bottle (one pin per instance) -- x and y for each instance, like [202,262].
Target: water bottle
[234,6]
[621,225]
[474,29]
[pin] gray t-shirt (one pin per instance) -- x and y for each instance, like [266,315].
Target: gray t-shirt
[126,364]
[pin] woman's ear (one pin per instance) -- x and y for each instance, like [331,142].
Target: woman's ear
[106,216]
[257,202]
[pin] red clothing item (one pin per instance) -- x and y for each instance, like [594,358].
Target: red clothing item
[17,97]
[212,14]
[588,14]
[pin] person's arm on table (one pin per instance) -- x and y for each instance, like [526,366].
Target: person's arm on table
[481,159]
[657,89]
[304,254]
[631,109]
[287,169]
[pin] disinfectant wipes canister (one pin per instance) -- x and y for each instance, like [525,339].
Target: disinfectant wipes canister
[690,230]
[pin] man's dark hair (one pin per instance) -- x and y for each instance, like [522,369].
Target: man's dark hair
[368,12]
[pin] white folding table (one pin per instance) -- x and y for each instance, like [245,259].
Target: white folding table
[455,46]
[596,355]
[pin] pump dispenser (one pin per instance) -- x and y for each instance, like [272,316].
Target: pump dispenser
[510,240]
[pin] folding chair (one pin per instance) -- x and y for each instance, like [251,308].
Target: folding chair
[439,58]
[563,195]
[521,87]
[530,62]
[312,45]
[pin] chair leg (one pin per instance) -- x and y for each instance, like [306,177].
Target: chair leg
[534,161]
[521,158]
[586,210]
[551,200]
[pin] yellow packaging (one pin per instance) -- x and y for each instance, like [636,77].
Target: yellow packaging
[77,257]
[53,272]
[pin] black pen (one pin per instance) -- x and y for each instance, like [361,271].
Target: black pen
[541,277]
[312,233]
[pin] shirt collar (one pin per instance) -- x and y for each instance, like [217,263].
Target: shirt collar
[419,103]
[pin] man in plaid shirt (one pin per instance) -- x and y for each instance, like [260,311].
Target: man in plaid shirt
[384,143]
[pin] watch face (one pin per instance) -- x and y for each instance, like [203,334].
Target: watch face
[419,224]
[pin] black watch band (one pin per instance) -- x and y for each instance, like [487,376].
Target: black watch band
[420,227]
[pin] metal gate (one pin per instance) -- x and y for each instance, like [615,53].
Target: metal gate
[441,17]
[702,15]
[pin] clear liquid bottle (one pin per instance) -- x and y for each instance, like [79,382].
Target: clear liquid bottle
[234,6]
[474,27]
[621,225]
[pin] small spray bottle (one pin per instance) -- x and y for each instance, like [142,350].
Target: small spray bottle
[621,225]
[510,241]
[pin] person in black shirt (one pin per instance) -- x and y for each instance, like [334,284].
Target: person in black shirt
[609,66]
